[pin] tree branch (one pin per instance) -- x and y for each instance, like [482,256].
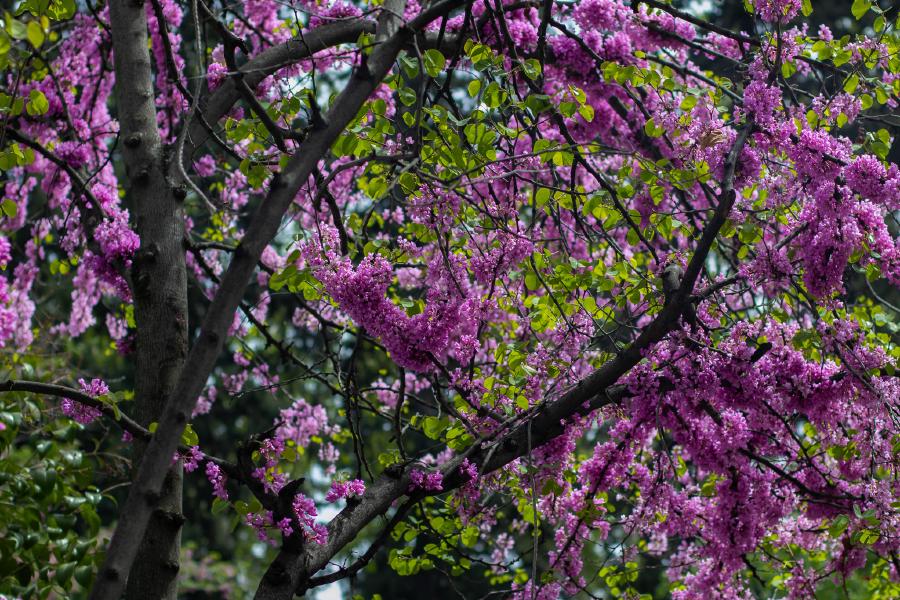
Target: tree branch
[122,420]
[283,55]
[148,483]
[60,391]
[546,422]
[266,63]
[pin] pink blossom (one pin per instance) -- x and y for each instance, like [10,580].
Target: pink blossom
[305,512]
[82,413]
[353,488]
[217,480]
[430,481]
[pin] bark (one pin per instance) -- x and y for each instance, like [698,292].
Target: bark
[159,284]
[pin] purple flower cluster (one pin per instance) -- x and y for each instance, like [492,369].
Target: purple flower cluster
[217,479]
[305,512]
[353,488]
[430,481]
[777,11]
[82,413]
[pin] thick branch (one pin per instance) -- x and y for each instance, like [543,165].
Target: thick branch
[367,556]
[159,285]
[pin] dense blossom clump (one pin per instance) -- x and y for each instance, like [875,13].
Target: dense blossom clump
[777,11]
[425,481]
[80,412]
[412,340]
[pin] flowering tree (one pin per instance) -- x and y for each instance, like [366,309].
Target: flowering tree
[543,290]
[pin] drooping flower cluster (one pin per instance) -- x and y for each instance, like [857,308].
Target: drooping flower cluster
[269,475]
[191,459]
[301,422]
[305,512]
[413,341]
[217,480]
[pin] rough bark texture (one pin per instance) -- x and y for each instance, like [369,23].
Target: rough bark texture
[159,284]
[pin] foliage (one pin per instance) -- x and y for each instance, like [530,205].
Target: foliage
[550,299]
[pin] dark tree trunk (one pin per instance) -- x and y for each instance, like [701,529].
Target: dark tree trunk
[159,283]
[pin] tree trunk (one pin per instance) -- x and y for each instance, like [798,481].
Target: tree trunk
[159,284]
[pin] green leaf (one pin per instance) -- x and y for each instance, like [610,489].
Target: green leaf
[433,427]
[860,8]
[469,536]
[494,96]
[407,96]
[806,8]
[189,436]
[532,68]
[15,28]
[842,57]
[434,62]
[587,112]
[219,506]
[84,575]
[410,66]
[61,10]
[568,108]
[868,537]
[64,572]
[409,182]
[851,84]
[10,208]
[652,129]
[37,103]
[788,69]
[579,94]
[35,34]
[688,103]
[474,87]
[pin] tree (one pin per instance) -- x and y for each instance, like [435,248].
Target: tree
[530,294]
